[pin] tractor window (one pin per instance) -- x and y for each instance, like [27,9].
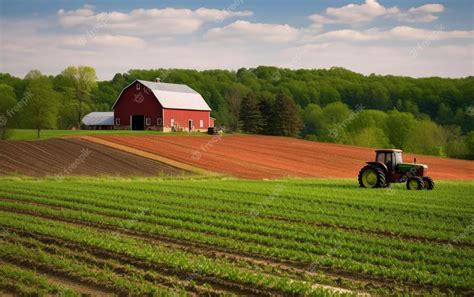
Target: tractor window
[398,158]
[388,161]
[381,158]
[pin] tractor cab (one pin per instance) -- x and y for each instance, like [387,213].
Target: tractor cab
[391,158]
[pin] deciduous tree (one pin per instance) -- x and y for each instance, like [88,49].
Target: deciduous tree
[7,102]
[82,80]
[42,105]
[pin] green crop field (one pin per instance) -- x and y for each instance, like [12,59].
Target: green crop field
[228,236]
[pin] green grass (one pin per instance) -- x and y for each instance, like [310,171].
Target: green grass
[289,236]
[30,134]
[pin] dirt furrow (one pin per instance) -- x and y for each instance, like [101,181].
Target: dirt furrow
[287,266]
[65,278]
[124,270]
[75,157]
[216,283]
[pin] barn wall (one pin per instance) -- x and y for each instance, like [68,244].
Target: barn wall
[137,102]
[181,118]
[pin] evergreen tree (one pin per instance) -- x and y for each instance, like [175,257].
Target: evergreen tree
[266,109]
[286,117]
[251,120]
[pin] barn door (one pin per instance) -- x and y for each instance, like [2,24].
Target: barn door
[138,122]
[190,125]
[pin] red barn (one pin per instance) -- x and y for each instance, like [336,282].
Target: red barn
[146,105]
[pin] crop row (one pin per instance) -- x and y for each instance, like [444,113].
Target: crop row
[83,267]
[427,226]
[159,255]
[79,271]
[418,269]
[28,283]
[142,270]
[328,192]
[338,230]
[298,233]
[206,208]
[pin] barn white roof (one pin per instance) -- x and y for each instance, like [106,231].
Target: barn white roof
[98,119]
[176,96]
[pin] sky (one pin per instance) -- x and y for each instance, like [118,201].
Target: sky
[411,38]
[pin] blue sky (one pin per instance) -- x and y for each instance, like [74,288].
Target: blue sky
[413,38]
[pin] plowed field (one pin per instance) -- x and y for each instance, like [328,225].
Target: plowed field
[259,157]
[64,157]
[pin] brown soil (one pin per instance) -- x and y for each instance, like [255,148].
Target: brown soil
[259,157]
[63,157]
[147,155]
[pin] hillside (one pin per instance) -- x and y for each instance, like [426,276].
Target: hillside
[382,110]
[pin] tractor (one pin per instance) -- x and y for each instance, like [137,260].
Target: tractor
[388,168]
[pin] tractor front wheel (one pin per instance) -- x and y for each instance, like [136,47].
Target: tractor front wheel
[429,183]
[372,177]
[415,183]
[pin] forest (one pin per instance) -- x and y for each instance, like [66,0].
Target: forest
[421,115]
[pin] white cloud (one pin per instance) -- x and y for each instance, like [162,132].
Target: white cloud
[422,14]
[255,33]
[46,53]
[444,61]
[404,32]
[426,9]
[244,31]
[399,33]
[166,21]
[363,13]
[85,38]
[85,11]
[352,13]
[350,35]
[105,40]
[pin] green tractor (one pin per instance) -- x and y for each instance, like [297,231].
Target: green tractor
[388,168]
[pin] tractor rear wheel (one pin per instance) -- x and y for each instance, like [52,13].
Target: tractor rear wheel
[372,177]
[429,183]
[415,183]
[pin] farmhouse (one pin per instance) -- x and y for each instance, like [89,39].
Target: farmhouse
[146,105]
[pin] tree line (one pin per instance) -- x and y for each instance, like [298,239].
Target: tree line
[425,115]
